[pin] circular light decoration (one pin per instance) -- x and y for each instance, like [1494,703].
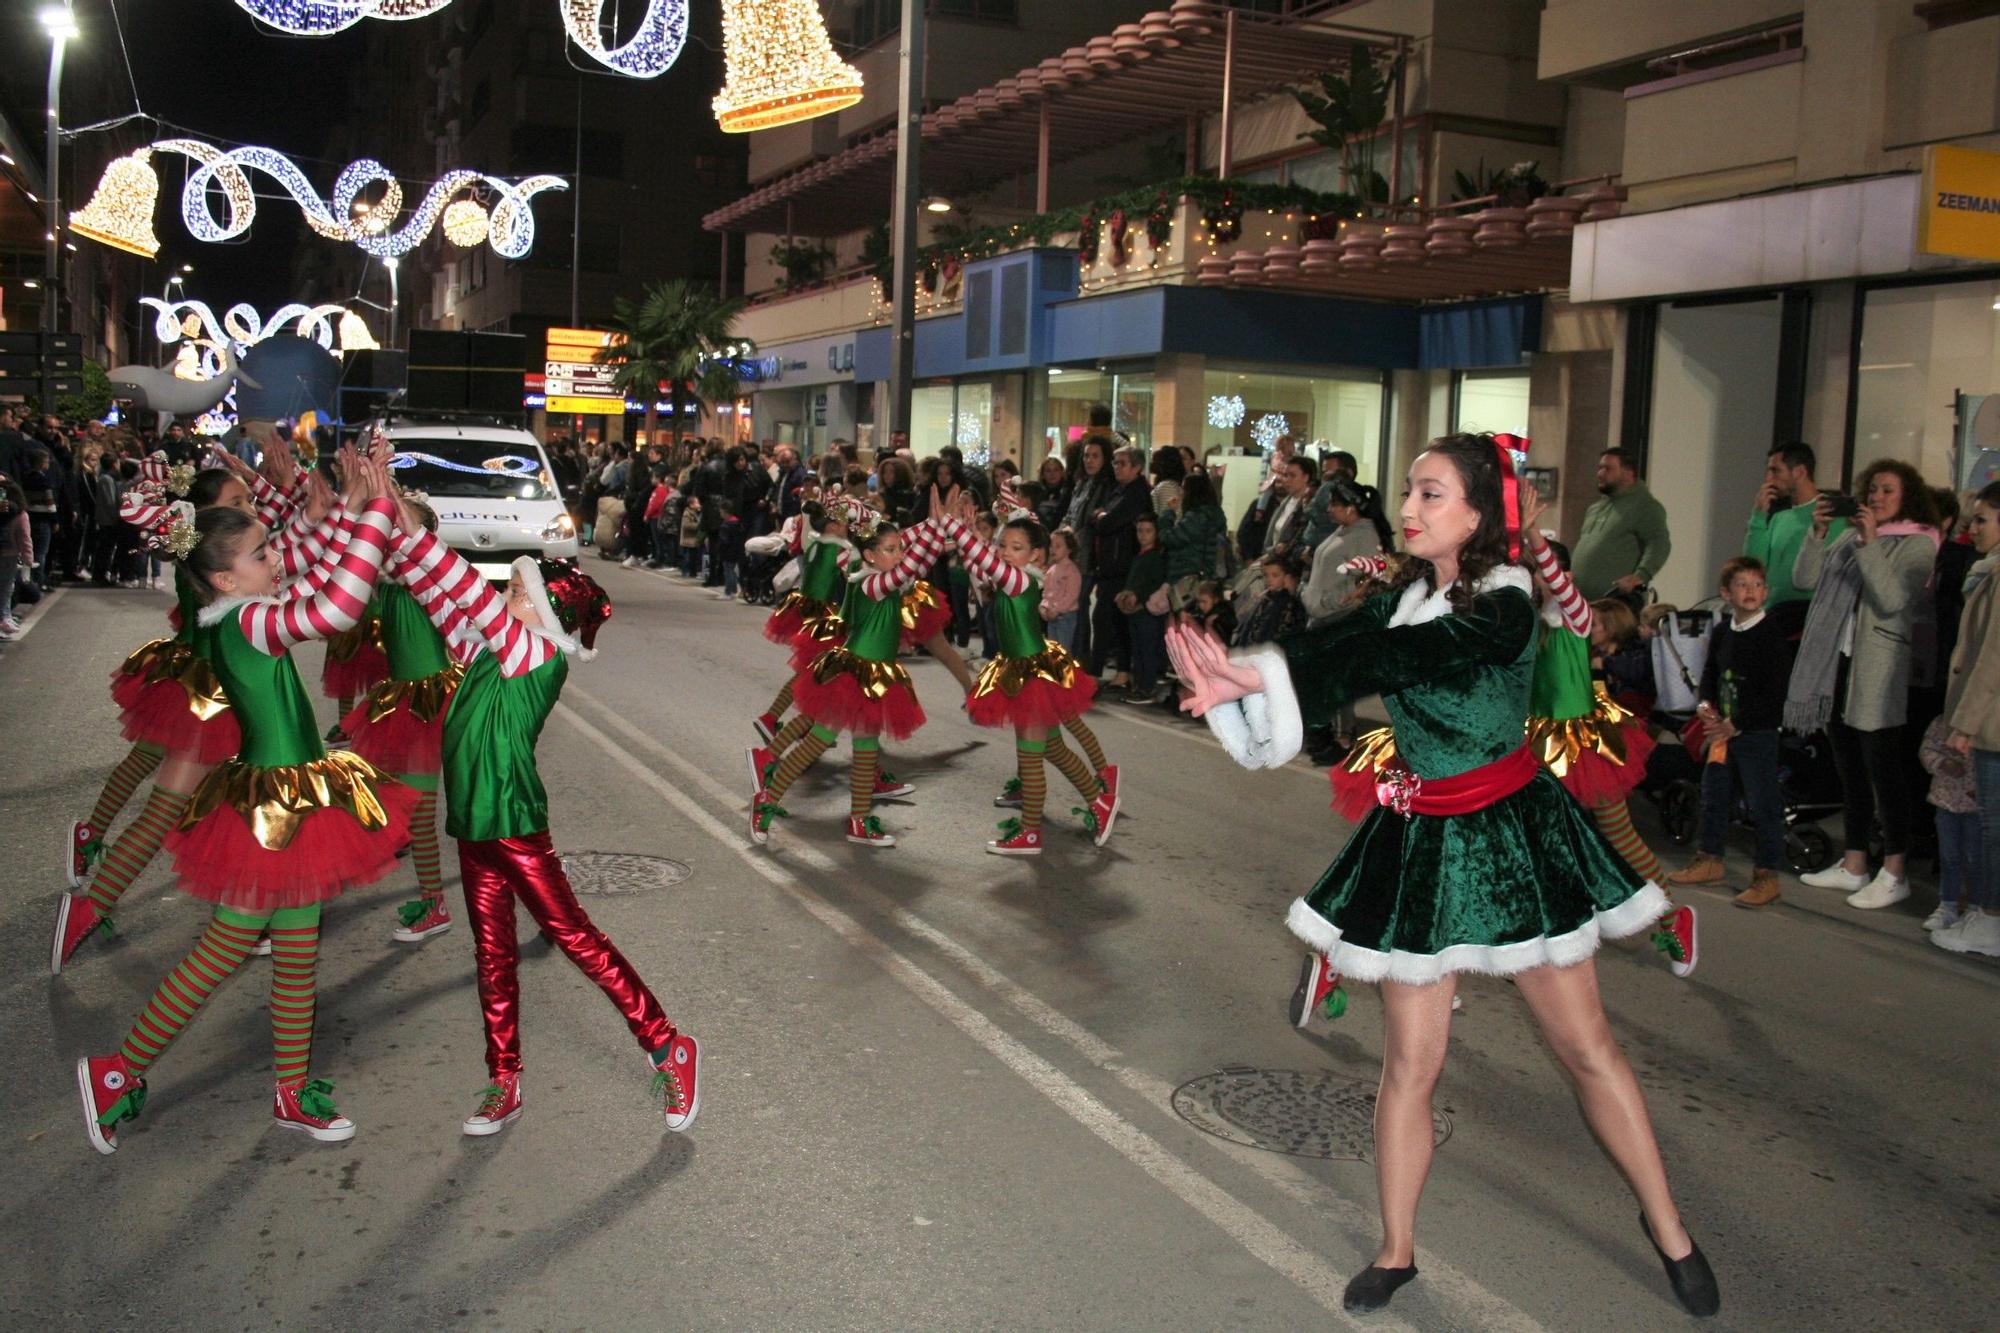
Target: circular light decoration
[1225,411]
[465,223]
[653,48]
[510,224]
[1267,430]
[781,66]
[120,212]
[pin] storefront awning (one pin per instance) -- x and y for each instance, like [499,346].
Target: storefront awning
[1142,78]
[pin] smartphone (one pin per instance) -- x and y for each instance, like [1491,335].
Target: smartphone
[1842,506]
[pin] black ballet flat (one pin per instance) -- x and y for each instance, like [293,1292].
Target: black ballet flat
[1372,1287]
[1691,1278]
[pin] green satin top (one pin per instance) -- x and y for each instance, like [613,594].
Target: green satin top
[1017,619]
[1456,687]
[491,786]
[1562,688]
[416,650]
[271,703]
[874,624]
[822,578]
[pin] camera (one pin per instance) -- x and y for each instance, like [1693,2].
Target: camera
[1841,506]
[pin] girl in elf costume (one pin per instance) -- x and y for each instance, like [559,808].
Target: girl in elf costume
[1475,859]
[1032,686]
[1596,749]
[399,728]
[356,662]
[172,705]
[272,834]
[519,649]
[859,686]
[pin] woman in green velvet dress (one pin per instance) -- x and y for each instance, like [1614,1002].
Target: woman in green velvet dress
[1475,859]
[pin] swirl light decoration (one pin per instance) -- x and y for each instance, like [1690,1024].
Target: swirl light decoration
[327,325]
[651,51]
[509,225]
[781,66]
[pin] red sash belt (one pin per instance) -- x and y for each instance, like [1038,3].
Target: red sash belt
[1407,794]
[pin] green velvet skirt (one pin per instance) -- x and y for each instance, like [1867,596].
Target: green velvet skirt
[1527,881]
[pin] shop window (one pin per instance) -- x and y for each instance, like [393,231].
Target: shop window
[1490,400]
[1247,410]
[1072,393]
[1930,361]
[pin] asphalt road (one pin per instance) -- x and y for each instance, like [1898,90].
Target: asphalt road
[940,1086]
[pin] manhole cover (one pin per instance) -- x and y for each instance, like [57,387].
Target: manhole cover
[619,874]
[1288,1111]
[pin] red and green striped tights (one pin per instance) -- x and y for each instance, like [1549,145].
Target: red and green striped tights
[860,778]
[127,858]
[1031,749]
[424,836]
[220,951]
[138,764]
[1614,821]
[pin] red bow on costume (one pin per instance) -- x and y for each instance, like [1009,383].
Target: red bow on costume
[1512,451]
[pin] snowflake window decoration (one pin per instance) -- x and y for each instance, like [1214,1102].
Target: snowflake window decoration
[969,433]
[1268,430]
[1225,411]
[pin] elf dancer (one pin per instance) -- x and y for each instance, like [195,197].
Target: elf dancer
[399,728]
[1032,686]
[356,662]
[1475,860]
[173,708]
[272,834]
[858,687]
[1596,749]
[498,810]
[807,622]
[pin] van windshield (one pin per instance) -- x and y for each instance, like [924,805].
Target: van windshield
[471,469]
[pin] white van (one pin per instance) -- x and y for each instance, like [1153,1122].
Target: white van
[492,487]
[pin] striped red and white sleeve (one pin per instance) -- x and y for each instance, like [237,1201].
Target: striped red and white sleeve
[339,600]
[984,559]
[922,546]
[428,563]
[1576,613]
[450,618]
[302,545]
[274,506]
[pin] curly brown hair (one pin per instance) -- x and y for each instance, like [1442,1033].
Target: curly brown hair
[1477,460]
[1919,505]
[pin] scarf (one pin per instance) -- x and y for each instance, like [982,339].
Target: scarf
[1809,698]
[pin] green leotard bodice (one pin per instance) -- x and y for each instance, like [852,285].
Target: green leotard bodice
[492,789]
[271,703]
[416,650]
[874,625]
[1561,688]
[822,580]
[1017,618]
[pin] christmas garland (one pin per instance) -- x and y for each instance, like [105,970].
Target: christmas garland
[1224,219]
[1086,239]
[1117,230]
[1160,223]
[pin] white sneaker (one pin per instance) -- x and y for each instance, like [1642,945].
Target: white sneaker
[1943,917]
[630,562]
[1835,876]
[1978,932]
[1884,890]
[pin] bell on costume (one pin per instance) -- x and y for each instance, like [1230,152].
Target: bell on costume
[781,66]
[120,213]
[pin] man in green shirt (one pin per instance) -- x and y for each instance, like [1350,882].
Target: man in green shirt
[1778,525]
[1624,541]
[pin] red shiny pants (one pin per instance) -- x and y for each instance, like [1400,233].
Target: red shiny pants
[494,873]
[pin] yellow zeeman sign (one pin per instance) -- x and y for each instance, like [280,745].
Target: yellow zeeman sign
[1961,207]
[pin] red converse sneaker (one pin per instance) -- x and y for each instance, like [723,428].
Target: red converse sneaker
[676,1068]
[1676,939]
[309,1109]
[111,1093]
[762,811]
[887,784]
[262,948]
[421,918]
[762,761]
[1016,840]
[1319,985]
[81,852]
[767,727]
[1010,795]
[868,831]
[76,917]
[1105,808]
[499,1107]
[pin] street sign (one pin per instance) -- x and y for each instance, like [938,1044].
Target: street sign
[575,382]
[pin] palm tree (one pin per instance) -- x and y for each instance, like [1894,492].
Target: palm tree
[675,334]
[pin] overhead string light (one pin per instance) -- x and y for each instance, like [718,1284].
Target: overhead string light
[332,326]
[781,66]
[652,50]
[220,181]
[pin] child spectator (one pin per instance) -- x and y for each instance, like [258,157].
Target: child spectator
[1955,794]
[657,517]
[1279,611]
[1212,609]
[1742,702]
[690,536]
[1062,587]
[17,549]
[1144,602]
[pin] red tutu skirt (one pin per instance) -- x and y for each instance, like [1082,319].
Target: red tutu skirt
[158,691]
[1354,776]
[1599,757]
[1031,693]
[1595,779]
[389,730]
[352,672]
[221,859]
[837,698]
[925,615]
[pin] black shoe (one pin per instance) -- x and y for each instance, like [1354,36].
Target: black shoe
[1691,1278]
[1372,1287]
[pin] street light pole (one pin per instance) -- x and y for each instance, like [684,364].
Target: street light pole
[392,263]
[60,24]
[909,133]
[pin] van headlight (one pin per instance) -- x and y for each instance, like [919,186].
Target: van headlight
[560,528]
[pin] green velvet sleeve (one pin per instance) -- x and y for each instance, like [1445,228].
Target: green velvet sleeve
[1362,655]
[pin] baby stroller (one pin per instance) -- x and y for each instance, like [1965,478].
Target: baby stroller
[1808,786]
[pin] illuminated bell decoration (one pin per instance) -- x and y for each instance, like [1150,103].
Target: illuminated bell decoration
[781,66]
[465,224]
[354,334]
[120,213]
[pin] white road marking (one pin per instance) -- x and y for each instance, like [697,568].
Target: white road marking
[41,609]
[1480,1307]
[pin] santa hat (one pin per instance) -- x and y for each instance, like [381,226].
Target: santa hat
[568,601]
